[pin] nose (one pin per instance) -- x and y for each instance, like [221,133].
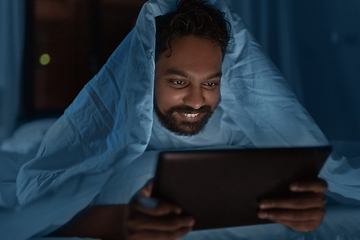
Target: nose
[194,97]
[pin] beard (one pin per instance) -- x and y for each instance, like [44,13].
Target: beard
[184,128]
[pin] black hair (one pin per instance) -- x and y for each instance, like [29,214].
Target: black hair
[192,17]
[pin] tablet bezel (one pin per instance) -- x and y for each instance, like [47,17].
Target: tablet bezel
[216,187]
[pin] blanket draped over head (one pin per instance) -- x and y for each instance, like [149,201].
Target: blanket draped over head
[110,124]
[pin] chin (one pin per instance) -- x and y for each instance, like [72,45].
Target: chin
[187,133]
[187,129]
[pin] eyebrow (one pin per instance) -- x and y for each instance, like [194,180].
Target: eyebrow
[174,71]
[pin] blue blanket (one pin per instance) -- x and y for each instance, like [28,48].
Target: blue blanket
[109,132]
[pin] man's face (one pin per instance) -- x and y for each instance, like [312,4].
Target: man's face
[187,84]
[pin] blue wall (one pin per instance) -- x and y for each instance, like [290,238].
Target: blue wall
[325,45]
[328,35]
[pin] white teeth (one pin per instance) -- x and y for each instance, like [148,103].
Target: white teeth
[191,115]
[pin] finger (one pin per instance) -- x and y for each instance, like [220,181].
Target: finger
[163,223]
[161,235]
[306,226]
[146,191]
[277,215]
[298,201]
[162,209]
[150,203]
[319,186]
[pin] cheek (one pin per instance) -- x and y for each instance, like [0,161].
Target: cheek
[159,95]
[212,98]
[167,97]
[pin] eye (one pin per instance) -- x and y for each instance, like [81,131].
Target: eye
[178,83]
[210,85]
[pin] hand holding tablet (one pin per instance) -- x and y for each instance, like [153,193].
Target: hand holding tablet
[148,218]
[302,212]
[228,188]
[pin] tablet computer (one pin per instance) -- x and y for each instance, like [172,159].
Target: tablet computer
[222,188]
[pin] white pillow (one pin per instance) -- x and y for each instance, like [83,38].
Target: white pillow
[27,138]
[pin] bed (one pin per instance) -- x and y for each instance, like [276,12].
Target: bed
[342,220]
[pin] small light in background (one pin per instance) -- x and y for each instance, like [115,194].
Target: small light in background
[44,59]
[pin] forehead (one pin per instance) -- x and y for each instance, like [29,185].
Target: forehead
[191,54]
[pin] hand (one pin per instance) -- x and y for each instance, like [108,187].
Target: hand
[303,212]
[165,221]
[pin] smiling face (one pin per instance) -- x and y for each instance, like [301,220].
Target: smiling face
[187,84]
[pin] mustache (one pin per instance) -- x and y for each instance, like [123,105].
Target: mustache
[189,110]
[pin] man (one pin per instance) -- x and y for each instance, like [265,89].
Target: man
[98,148]
[191,44]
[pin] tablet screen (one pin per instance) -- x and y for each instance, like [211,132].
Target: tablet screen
[222,188]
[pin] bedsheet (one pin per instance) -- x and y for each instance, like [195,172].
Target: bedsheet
[341,222]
